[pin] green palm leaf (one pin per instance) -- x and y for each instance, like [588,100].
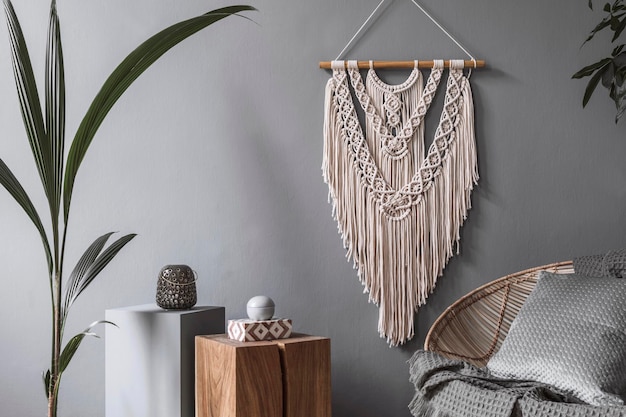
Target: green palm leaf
[72,346]
[13,186]
[29,100]
[122,77]
[98,264]
[69,351]
[55,114]
[81,268]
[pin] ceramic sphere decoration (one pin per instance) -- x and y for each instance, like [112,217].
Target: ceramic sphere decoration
[260,307]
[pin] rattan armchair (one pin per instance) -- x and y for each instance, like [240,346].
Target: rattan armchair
[473,328]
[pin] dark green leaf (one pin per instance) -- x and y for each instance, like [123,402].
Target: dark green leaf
[590,69]
[29,101]
[603,24]
[619,29]
[101,262]
[81,268]
[616,5]
[607,75]
[607,7]
[46,382]
[13,186]
[72,346]
[590,4]
[593,83]
[614,23]
[55,112]
[122,77]
[619,57]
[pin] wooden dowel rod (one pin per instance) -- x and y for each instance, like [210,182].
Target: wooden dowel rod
[480,63]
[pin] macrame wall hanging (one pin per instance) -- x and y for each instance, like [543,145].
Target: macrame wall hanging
[399,206]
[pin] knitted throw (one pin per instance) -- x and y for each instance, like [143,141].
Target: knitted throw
[399,210]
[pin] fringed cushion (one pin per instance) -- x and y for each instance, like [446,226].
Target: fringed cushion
[571,334]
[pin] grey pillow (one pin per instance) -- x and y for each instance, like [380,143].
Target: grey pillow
[612,264]
[571,334]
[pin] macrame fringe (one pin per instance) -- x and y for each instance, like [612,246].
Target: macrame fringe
[399,260]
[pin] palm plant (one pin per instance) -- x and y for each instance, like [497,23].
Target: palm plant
[45,130]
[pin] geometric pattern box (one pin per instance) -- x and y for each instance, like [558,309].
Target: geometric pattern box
[246,330]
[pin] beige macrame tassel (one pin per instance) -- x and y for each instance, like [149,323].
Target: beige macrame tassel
[399,216]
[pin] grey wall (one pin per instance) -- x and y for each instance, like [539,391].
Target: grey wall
[214,157]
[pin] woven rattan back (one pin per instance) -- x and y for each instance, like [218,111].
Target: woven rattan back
[473,328]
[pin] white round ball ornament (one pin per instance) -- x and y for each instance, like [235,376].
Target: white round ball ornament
[260,307]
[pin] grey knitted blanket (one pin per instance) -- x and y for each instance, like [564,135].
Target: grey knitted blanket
[453,388]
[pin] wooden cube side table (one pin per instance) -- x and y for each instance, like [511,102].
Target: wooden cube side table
[279,378]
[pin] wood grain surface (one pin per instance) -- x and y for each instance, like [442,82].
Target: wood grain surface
[287,377]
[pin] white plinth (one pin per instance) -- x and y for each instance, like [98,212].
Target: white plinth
[150,369]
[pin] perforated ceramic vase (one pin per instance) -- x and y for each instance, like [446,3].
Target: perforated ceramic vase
[176,288]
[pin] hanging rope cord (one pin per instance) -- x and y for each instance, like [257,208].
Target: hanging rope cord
[375,12]
[345,48]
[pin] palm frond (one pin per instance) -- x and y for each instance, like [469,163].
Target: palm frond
[81,268]
[122,77]
[29,100]
[74,343]
[13,186]
[98,264]
[55,112]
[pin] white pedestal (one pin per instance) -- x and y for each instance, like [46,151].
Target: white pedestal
[150,367]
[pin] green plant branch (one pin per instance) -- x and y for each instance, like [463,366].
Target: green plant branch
[609,71]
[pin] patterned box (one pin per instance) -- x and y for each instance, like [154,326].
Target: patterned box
[246,330]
